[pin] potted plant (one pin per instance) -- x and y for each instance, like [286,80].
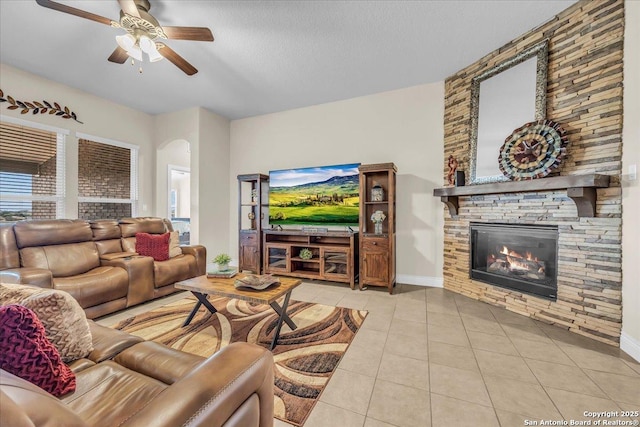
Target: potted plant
[305,253]
[223,261]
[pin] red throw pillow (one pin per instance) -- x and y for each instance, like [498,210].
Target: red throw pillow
[28,354]
[153,245]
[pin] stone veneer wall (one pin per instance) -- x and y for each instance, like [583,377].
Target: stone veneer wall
[584,94]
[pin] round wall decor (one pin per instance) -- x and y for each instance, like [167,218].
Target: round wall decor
[533,150]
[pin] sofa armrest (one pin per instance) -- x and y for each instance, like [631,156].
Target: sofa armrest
[200,254]
[140,272]
[108,342]
[211,394]
[39,277]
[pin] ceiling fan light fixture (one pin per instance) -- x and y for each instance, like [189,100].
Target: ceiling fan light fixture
[154,55]
[126,41]
[147,45]
[135,52]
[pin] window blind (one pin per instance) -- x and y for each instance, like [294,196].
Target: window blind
[32,171]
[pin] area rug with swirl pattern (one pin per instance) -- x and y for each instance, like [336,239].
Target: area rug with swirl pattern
[305,358]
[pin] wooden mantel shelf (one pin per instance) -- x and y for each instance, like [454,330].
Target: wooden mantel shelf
[580,188]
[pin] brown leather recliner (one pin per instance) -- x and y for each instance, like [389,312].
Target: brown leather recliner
[191,263]
[61,254]
[126,381]
[94,261]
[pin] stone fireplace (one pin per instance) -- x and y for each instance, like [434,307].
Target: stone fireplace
[519,257]
[584,95]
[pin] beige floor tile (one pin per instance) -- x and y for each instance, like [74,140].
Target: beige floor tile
[521,398]
[447,307]
[563,337]
[573,405]
[459,384]
[349,390]
[402,345]
[324,415]
[444,319]
[492,342]
[411,292]
[411,312]
[510,419]
[453,356]
[507,317]
[381,305]
[362,360]
[632,364]
[404,370]
[328,297]
[448,335]
[400,405]
[526,332]
[408,328]
[477,324]
[356,302]
[598,361]
[548,352]
[562,377]
[476,309]
[369,338]
[306,295]
[620,388]
[280,423]
[378,321]
[502,365]
[372,422]
[446,411]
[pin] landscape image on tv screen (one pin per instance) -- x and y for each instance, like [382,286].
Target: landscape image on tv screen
[323,196]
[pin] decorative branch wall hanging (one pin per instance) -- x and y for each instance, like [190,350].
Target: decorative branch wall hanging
[39,107]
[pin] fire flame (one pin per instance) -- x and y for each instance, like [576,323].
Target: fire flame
[518,262]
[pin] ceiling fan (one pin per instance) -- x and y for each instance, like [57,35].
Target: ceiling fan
[142,32]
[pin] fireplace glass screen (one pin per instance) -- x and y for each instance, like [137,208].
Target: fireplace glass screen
[523,258]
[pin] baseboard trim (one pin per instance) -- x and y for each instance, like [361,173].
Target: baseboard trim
[630,345]
[433,282]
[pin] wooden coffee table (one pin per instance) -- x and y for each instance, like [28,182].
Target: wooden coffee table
[201,287]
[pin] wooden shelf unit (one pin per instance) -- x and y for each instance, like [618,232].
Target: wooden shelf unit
[253,198]
[378,250]
[334,255]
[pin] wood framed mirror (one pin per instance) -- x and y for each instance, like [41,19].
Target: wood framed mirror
[503,98]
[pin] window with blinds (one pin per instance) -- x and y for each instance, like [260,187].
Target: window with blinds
[31,173]
[107,180]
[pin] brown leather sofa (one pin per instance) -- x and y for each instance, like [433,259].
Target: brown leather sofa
[126,381]
[94,261]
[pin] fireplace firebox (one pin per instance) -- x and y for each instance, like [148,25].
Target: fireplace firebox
[518,257]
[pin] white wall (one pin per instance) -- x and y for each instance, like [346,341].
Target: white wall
[101,118]
[402,126]
[630,339]
[210,163]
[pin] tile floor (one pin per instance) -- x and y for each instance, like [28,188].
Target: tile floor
[429,357]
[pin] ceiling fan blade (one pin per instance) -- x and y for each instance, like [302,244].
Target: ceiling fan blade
[73,11]
[177,60]
[129,7]
[119,56]
[189,33]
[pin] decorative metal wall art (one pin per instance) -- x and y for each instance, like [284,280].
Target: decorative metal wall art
[533,150]
[36,107]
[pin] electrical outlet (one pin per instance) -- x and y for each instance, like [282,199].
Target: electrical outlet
[633,172]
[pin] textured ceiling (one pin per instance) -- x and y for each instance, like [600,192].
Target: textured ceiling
[267,56]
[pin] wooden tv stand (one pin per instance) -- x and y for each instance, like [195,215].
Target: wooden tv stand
[334,255]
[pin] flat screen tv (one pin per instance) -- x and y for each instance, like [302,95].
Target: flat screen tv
[320,196]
